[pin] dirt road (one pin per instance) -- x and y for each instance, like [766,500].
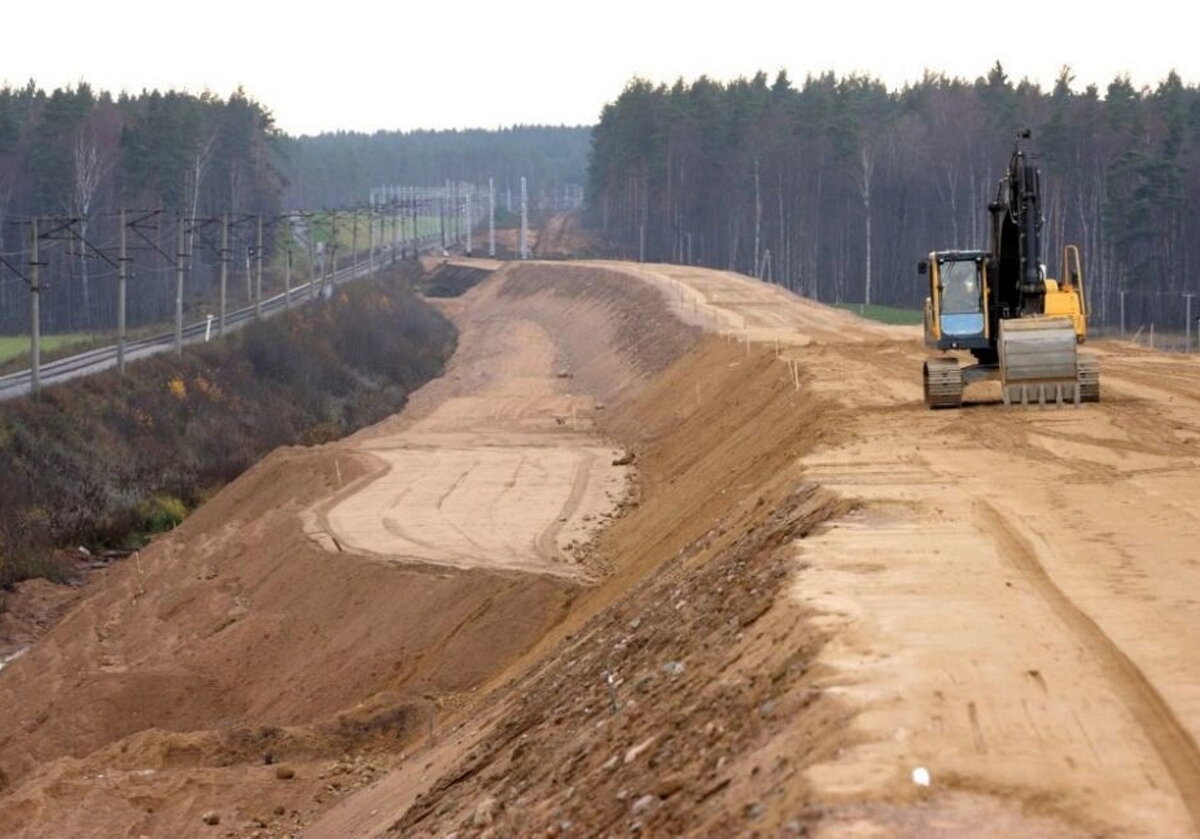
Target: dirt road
[500,471]
[1010,607]
[1014,605]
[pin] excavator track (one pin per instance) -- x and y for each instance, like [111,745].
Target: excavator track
[1089,378]
[943,383]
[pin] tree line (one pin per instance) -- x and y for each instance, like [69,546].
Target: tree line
[333,169]
[82,154]
[837,187]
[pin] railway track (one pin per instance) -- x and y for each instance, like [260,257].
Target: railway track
[90,362]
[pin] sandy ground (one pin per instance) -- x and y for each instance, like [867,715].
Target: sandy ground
[504,474]
[1013,607]
[1009,607]
[329,609]
[802,587]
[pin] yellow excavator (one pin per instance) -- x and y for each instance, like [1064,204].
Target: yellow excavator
[1022,327]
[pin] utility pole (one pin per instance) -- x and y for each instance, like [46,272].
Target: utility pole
[258,257]
[354,246]
[35,313]
[416,236]
[467,209]
[224,268]
[491,217]
[371,239]
[524,220]
[122,279]
[287,279]
[642,242]
[332,248]
[312,261]
[455,211]
[1122,314]
[179,257]
[402,220]
[758,226]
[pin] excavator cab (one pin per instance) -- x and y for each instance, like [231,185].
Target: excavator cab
[956,309]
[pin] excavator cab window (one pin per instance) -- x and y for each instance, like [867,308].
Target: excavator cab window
[961,295]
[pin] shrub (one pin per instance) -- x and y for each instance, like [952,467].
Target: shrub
[98,461]
[162,512]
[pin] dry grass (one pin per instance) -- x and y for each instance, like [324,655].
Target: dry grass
[104,460]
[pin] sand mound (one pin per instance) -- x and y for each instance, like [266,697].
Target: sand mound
[240,635]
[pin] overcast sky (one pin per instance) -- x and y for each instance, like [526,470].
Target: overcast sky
[410,64]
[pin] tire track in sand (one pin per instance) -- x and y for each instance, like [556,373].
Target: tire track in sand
[547,541]
[1173,743]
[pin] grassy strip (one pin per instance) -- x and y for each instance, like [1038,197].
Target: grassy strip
[16,346]
[104,460]
[884,314]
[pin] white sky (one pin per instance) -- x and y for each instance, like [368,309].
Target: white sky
[408,64]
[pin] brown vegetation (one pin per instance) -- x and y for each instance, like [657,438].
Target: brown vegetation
[100,460]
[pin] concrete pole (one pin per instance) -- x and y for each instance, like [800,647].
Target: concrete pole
[467,209]
[416,223]
[491,217]
[1122,314]
[224,269]
[312,262]
[404,217]
[354,246]
[258,260]
[524,220]
[179,257]
[122,280]
[35,313]
[442,217]
[287,279]
[331,264]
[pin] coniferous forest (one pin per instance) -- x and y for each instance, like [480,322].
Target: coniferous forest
[834,187]
[334,169]
[838,186]
[82,155]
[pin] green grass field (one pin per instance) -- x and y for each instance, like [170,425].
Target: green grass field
[12,346]
[321,226]
[884,314]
